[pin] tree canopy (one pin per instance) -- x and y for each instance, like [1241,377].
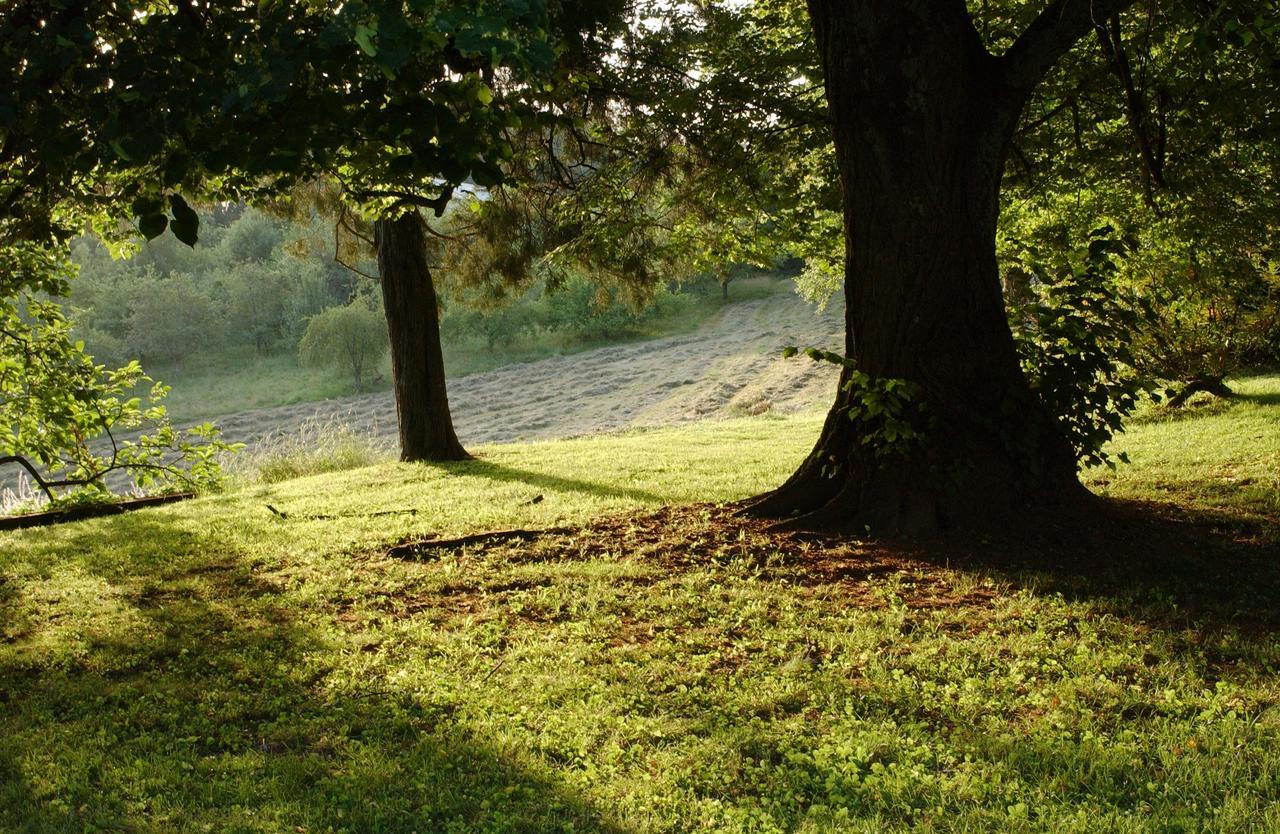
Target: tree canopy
[975,146]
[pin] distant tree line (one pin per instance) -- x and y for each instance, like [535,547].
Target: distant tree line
[269,286]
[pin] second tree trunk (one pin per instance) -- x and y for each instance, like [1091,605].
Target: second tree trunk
[413,323]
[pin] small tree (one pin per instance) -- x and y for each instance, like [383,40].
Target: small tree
[352,338]
[258,302]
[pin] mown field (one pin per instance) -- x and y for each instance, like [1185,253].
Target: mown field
[267,660]
[209,384]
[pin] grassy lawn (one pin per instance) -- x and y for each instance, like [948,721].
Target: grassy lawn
[212,666]
[1213,457]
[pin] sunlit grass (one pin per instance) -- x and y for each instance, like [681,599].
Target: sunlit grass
[1211,455]
[217,666]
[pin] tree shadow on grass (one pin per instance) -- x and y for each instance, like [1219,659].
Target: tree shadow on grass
[206,698]
[1258,399]
[501,472]
[1172,567]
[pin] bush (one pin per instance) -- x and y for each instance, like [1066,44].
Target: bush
[252,237]
[589,312]
[170,318]
[1207,326]
[257,305]
[496,328]
[351,338]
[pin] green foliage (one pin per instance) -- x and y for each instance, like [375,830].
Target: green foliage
[1171,140]
[170,318]
[258,306]
[166,302]
[253,236]
[892,415]
[72,423]
[1074,336]
[577,311]
[352,338]
[1214,310]
[499,328]
[591,312]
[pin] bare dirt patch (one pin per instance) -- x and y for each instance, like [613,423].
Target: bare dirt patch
[1148,567]
[675,540]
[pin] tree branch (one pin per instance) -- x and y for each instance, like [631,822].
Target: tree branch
[1111,43]
[1050,36]
[31,470]
[437,204]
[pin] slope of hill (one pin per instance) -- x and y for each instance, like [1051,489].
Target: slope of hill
[730,366]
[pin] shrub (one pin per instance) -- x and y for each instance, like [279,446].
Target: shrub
[496,328]
[590,312]
[351,338]
[252,237]
[170,318]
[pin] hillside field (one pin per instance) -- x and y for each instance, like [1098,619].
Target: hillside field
[638,658]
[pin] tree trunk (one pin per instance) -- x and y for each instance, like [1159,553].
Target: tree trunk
[922,118]
[413,322]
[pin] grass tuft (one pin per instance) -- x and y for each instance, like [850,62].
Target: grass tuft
[316,447]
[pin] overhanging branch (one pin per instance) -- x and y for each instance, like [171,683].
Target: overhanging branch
[437,204]
[1050,36]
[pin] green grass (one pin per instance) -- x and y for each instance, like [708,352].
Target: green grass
[205,386]
[210,666]
[1212,455]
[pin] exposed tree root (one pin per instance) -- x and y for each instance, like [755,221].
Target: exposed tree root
[1207,384]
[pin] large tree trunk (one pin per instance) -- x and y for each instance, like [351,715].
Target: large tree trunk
[413,321]
[922,115]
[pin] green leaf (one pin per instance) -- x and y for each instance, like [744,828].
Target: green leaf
[146,205]
[364,39]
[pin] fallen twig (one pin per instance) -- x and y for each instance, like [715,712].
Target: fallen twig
[414,549]
[496,667]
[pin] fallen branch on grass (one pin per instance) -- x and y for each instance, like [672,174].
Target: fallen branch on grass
[79,511]
[415,549]
[1208,384]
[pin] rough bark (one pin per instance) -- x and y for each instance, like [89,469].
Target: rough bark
[413,323]
[922,117]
